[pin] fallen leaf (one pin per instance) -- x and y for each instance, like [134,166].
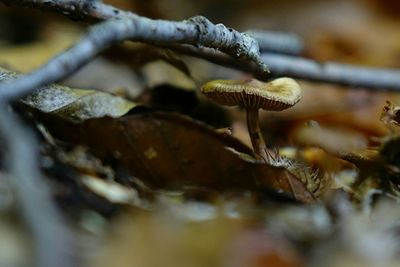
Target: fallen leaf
[170,151]
[73,104]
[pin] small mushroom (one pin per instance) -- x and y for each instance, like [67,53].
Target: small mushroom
[252,94]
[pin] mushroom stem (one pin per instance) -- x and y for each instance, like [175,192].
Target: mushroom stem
[256,137]
[257,140]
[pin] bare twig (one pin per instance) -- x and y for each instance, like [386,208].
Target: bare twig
[74,9]
[331,72]
[52,241]
[91,10]
[277,42]
[197,31]
[220,59]
[307,69]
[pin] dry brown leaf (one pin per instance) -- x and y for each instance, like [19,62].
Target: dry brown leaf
[170,151]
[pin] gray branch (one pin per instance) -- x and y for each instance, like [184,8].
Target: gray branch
[197,31]
[92,10]
[221,59]
[74,9]
[306,69]
[331,72]
[278,42]
[52,241]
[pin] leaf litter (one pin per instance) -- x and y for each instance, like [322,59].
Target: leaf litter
[168,165]
[151,187]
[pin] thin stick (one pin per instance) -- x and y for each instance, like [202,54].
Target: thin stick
[277,42]
[330,72]
[52,241]
[380,79]
[74,9]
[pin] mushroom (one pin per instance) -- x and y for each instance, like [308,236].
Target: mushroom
[252,94]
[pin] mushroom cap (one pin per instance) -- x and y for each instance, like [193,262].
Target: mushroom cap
[275,95]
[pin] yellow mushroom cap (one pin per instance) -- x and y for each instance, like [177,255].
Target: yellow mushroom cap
[275,95]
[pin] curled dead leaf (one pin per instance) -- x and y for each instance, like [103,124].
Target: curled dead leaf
[170,151]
